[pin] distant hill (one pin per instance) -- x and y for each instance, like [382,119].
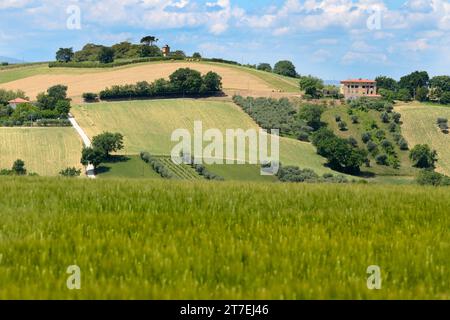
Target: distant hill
[10,60]
[332,82]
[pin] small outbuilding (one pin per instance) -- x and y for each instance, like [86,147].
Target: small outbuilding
[13,103]
[166,50]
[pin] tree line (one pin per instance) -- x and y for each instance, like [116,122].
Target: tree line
[183,82]
[415,86]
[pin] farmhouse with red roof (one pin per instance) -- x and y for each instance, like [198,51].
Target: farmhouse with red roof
[17,101]
[356,88]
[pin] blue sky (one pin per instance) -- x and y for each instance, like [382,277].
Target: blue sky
[333,39]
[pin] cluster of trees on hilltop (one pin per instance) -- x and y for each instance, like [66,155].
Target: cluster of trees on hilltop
[50,109]
[283,67]
[183,82]
[123,50]
[415,86]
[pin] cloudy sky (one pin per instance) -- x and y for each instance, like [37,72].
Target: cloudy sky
[333,39]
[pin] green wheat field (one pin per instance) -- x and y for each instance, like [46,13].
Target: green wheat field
[153,239]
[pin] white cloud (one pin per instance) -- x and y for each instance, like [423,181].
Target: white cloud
[352,57]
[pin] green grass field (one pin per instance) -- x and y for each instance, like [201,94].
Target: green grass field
[148,125]
[244,172]
[419,127]
[129,167]
[198,240]
[46,151]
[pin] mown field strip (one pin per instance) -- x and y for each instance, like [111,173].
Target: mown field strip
[420,127]
[46,151]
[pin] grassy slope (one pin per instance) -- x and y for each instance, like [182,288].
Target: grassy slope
[148,125]
[245,172]
[130,167]
[276,81]
[161,240]
[46,151]
[405,173]
[420,128]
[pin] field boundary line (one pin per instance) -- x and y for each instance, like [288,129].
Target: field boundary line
[90,170]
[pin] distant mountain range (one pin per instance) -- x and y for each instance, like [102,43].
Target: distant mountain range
[332,82]
[10,60]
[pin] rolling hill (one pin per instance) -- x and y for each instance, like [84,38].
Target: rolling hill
[419,127]
[148,125]
[37,78]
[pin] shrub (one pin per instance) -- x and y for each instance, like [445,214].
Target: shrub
[18,168]
[384,117]
[382,160]
[403,144]
[372,147]
[423,157]
[338,118]
[366,137]
[157,165]
[353,142]
[70,172]
[303,136]
[90,97]
[295,174]
[429,177]
[355,119]
[342,126]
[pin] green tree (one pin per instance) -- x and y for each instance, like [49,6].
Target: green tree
[212,82]
[422,94]
[311,85]
[64,55]
[62,107]
[18,168]
[339,153]
[404,95]
[411,82]
[108,142]
[265,67]
[386,83]
[149,40]
[441,82]
[106,55]
[285,68]
[47,101]
[312,114]
[186,80]
[196,55]
[423,157]
[92,156]
[445,98]
[149,51]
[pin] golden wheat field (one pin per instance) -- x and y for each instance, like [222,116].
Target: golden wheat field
[46,151]
[234,79]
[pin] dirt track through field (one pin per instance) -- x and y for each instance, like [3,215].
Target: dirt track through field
[233,80]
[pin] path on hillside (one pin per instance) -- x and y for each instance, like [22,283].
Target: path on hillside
[90,171]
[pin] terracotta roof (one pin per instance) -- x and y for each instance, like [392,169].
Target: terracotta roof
[18,100]
[359,81]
